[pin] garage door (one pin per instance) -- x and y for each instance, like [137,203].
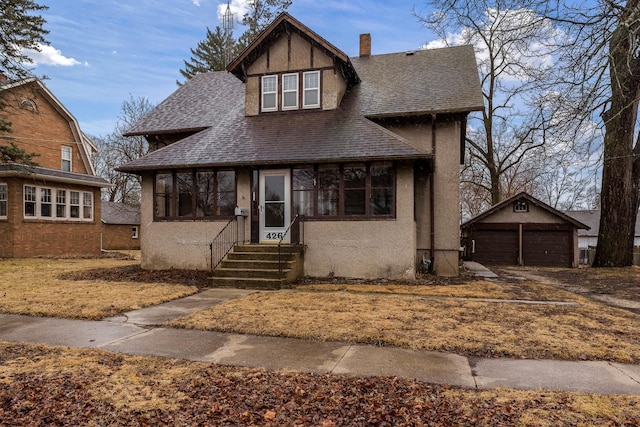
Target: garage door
[498,247]
[547,248]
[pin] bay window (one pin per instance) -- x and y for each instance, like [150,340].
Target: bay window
[53,204]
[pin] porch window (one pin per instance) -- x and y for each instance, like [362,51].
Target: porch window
[57,204]
[196,194]
[269,93]
[4,196]
[290,91]
[328,190]
[351,191]
[303,183]
[311,89]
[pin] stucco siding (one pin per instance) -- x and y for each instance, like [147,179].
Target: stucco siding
[536,215]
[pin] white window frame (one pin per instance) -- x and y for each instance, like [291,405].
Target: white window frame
[273,92]
[41,196]
[4,200]
[67,158]
[286,91]
[306,89]
[134,232]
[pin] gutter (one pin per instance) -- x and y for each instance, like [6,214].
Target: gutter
[432,191]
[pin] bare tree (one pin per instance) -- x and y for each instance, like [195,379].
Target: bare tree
[115,150]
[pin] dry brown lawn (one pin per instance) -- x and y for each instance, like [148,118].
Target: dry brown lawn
[39,287]
[586,331]
[42,385]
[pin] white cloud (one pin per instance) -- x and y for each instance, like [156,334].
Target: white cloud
[48,55]
[196,2]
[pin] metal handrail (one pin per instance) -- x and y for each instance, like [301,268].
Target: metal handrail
[226,239]
[297,238]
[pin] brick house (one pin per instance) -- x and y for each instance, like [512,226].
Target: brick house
[52,209]
[364,152]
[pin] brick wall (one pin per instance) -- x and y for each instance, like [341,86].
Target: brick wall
[23,238]
[44,131]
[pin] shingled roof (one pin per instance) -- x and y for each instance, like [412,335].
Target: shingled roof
[439,81]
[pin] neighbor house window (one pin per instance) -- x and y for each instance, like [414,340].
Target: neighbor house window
[134,232]
[45,202]
[30,201]
[74,204]
[61,203]
[355,191]
[66,159]
[311,89]
[4,197]
[87,205]
[290,91]
[53,204]
[269,93]
[197,194]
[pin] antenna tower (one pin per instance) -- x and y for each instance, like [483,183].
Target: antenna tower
[227,27]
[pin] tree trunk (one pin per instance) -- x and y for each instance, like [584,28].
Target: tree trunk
[621,171]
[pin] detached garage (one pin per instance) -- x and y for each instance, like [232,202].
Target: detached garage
[522,230]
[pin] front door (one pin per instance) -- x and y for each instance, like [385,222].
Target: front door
[275,205]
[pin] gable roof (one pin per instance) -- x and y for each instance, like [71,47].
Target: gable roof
[283,24]
[592,219]
[86,147]
[120,214]
[529,198]
[212,106]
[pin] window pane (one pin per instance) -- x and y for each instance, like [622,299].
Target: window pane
[355,194]
[381,175]
[269,84]
[381,201]
[87,205]
[45,202]
[274,214]
[61,204]
[290,100]
[226,193]
[303,191]
[328,189]
[74,201]
[185,193]
[269,93]
[164,190]
[205,186]
[66,159]
[290,91]
[311,90]
[269,101]
[29,201]
[3,199]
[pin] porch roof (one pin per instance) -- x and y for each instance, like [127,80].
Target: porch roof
[51,175]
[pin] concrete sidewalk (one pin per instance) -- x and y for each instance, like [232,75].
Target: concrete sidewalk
[137,333]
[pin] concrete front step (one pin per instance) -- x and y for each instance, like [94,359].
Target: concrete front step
[267,248]
[251,273]
[266,256]
[248,264]
[246,283]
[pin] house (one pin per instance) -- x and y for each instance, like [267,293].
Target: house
[522,230]
[588,238]
[360,155]
[120,226]
[52,209]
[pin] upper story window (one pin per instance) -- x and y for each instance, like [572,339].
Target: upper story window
[311,90]
[29,104]
[4,197]
[270,93]
[290,91]
[297,89]
[66,158]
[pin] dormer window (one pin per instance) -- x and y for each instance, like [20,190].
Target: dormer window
[311,89]
[290,91]
[270,93]
[297,89]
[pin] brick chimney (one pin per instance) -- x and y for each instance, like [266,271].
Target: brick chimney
[365,45]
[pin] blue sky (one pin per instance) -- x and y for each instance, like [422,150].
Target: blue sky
[104,51]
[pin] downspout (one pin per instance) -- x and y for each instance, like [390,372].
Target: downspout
[431,192]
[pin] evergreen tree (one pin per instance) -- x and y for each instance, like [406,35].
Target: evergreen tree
[11,153]
[211,53]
